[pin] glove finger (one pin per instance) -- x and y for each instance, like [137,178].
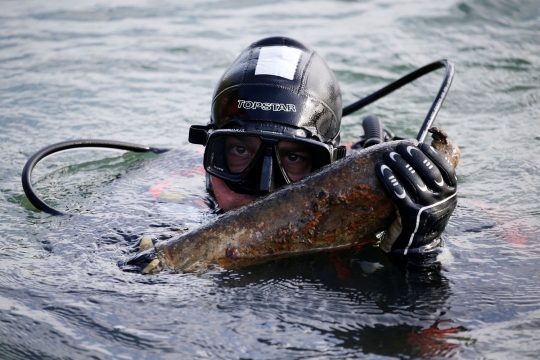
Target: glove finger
[447,170]
[414,184]
[426,168]
[394,187]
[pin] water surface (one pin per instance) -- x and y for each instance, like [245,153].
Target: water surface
[144,71]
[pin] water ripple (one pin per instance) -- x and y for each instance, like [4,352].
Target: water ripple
[141,72]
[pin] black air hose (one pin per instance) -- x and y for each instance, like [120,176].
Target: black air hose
[437,103]
[65,145]
[373,131]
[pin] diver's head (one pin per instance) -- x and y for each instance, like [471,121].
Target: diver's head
[275,117]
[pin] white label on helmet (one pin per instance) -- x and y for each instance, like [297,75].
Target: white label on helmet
[278,60]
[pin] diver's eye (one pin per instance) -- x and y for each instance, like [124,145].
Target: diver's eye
[238,150]
[293,158]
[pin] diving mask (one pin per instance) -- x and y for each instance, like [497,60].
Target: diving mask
[258,162]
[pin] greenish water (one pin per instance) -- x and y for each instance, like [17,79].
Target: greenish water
[144,71]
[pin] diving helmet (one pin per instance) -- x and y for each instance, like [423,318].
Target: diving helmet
[277,104]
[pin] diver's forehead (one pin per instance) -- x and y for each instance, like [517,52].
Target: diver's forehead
[293,146]
[283,145]
[247,140]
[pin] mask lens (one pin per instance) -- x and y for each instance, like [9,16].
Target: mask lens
[296,158]
[299,158]
[240,151]
[230,157]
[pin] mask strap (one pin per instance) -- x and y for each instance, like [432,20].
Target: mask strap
[198,134]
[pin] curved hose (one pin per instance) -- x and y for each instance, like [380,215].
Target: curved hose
[437,103]
[65,145]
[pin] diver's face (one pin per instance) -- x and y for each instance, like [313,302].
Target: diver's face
[239,151]
[226,198]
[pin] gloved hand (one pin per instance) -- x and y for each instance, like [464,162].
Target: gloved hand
[422,184]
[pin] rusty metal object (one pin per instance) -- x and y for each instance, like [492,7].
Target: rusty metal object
[340,205]
[445,146]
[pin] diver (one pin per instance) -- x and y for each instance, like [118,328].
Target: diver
[276,117]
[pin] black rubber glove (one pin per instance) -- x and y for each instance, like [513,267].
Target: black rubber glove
[422,184]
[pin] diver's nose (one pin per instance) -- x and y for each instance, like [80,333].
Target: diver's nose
[267,184]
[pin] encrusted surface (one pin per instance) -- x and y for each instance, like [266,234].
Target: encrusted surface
[339,205]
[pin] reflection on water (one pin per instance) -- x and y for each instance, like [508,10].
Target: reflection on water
[390,308]
[144,72]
